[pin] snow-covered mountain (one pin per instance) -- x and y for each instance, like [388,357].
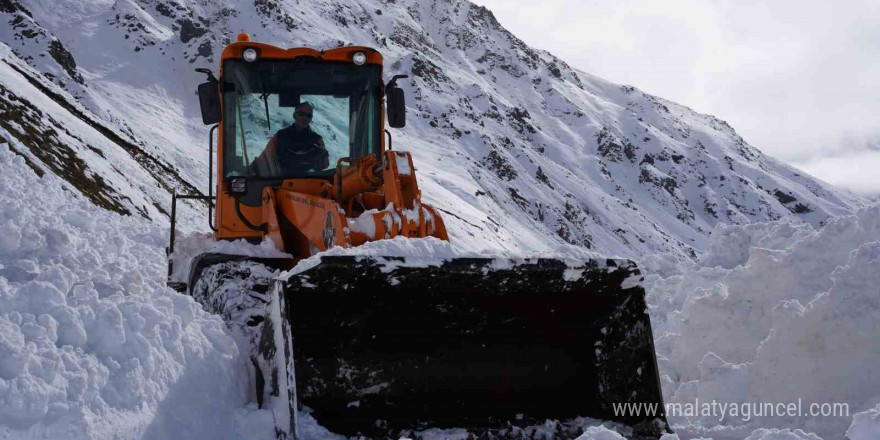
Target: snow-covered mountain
[519,150]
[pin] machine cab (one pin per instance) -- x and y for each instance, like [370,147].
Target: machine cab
[254,100]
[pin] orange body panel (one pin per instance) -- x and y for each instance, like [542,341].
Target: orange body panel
[235,50]
[304,224]
[304,216]
[301,222]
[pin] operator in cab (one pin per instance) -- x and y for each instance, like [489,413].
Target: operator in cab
[294,150]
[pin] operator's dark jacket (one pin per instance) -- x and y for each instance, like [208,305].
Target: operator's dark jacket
[291,151]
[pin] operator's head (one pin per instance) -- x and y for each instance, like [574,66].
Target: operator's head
[303,115]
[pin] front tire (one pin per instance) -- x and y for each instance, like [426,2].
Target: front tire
[238,291]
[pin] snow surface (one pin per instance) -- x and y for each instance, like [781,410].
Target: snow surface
[94,346]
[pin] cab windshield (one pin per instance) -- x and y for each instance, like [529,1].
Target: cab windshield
[259,101]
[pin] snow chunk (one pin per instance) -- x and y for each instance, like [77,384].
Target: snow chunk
[784,434]
[600,433]
[865,425]
[403,167]
[418,252]
[364,223]
[572,274]
[188,247]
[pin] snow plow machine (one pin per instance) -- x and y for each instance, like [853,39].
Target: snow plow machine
[366,345]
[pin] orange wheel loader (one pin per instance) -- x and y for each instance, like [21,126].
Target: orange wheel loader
[377,353]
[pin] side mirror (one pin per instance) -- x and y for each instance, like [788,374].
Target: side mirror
[396,103]
[209,99]
[396,108]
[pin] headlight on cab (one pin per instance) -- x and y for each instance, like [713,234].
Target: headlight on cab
[249,54]
[359,58]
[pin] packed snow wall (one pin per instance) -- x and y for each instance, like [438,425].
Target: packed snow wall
[773,313]
[92,344]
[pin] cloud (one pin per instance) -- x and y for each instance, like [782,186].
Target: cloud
[857,172]
[797,79]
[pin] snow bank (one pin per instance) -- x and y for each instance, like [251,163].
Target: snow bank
[773,313]
[865,426]
[92,345]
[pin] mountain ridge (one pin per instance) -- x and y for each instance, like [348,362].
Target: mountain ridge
[520,150]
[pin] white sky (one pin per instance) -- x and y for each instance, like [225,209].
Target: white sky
[799,80]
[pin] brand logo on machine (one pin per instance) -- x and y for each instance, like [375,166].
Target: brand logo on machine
[305,201]
[329,231]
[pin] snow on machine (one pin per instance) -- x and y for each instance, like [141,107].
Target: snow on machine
[372,346]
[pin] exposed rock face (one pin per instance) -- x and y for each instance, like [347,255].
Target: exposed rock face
[526,151]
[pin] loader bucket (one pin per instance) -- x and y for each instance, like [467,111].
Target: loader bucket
[382,350]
